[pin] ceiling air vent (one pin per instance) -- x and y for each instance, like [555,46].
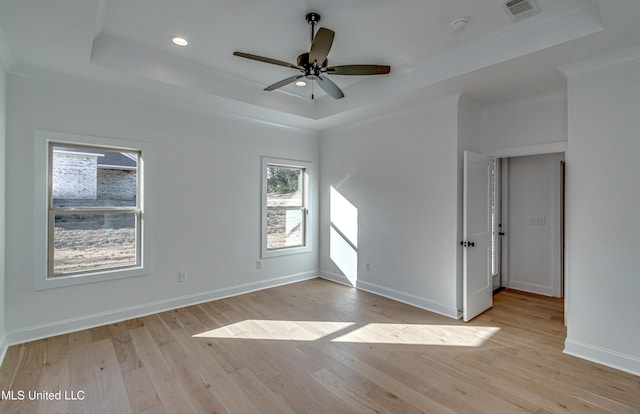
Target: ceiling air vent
[521,9]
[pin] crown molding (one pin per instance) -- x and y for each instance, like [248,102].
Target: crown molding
[602,61]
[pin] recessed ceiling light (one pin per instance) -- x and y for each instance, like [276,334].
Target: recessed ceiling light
[301,83]
[179,41]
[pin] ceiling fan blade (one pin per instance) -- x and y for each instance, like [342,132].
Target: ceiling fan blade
[265,60]
[359,70]
[330,88]
[321,46]
[282,83]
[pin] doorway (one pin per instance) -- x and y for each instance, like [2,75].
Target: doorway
[528,224]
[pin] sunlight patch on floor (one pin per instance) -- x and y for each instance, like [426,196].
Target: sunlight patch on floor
[351,332]
[277,330]
[418,334]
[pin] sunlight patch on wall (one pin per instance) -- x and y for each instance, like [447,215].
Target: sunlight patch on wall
[343,235]
[343,255]
[343,216]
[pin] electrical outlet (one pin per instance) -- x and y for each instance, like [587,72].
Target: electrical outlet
[259,265]
[367,266]
[182,277]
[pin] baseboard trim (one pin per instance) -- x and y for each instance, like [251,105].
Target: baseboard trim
[335,277]
[33,333]
[3,347]
[531,288]
[602,356]
[396,295]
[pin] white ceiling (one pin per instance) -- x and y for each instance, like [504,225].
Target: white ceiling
[123,46]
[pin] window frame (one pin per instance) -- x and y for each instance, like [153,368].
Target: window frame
[44,212]
[306,167]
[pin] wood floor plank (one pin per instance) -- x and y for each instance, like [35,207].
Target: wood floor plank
[357,403]
[123,347]
[54,379]
[9,366]
[259,392]
[82,377]
[172,394]
[320,347]
[111,394]
[170,319]
[28,372]
[203,374]
[157,328]
[142,395]
[386,381]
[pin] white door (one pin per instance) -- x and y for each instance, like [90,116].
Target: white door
[476,233]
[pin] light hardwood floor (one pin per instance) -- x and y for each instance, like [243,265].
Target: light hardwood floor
[318,347]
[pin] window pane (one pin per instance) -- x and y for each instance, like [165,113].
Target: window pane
[88,177]
[284,228]
[284,186]
[84,242]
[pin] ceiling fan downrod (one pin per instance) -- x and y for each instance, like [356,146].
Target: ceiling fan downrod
[313,19]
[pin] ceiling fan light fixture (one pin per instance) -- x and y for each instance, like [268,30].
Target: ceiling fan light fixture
[179,40]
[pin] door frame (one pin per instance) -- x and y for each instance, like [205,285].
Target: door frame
[503,259]
[503,154]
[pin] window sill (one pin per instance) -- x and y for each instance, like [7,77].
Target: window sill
[93,277]
[285,251]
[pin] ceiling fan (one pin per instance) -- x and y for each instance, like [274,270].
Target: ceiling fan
[314,65]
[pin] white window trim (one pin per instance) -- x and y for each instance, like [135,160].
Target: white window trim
[308,219]
[41,209]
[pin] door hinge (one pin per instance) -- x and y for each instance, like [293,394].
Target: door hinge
[467,244]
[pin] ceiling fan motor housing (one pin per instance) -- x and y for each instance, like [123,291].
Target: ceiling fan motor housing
[311,71]
[313,18]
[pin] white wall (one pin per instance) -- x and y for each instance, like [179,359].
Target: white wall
[3,108]
[206,202]
[535,192]
[603,210]
[527,126]
[400,172]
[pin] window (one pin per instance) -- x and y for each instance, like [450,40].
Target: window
[94,224]
[94,217]
[285,212]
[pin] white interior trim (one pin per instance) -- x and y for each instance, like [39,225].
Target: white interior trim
[42,138]
[308,177]
[537,149]
[602,356]
[399,296]
[3,347]
[32,333]
[601,62]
